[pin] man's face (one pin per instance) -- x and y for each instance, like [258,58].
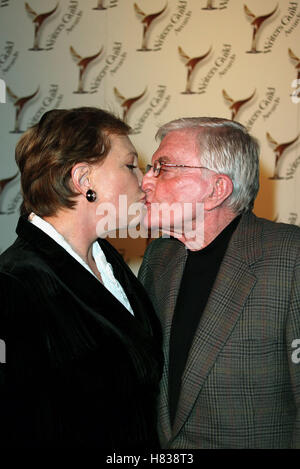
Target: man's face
[178,186]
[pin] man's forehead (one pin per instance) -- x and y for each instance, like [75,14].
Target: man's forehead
[178,144]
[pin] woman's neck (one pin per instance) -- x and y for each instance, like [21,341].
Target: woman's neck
[76,231]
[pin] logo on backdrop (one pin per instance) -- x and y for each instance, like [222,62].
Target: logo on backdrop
[296,93]
[38,20]
[256,23]
[19,104]
[295,83]
[157,103]
[50,100]
[279,149]
[8,57]
[190,64]
[5,187]
[101,3]
[296,60]
[127,103]
[83,63]
[223,4]
[235,106]
[209,5]
[146,20]
[2,91]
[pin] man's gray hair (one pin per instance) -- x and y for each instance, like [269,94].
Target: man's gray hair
[225,147]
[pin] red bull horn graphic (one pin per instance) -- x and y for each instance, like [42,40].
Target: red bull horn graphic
[236,105]
[146,20]
[38,20]
[127,103]
[279,149]
[100,5]
[296,61]
[209,5]
[19,103]
[256,23]
[190,64]
[83,63]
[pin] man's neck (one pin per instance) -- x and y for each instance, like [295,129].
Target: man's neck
[204,233]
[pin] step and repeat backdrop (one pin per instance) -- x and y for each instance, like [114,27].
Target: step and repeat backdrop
[151,61]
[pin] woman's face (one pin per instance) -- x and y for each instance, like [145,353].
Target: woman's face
[117,183]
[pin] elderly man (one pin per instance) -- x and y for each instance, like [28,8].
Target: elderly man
[227,292]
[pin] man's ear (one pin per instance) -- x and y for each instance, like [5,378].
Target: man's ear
[80,176]
[222,188]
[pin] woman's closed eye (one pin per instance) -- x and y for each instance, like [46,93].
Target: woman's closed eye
[131,166]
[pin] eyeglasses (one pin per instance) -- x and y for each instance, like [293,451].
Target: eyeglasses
[158,165]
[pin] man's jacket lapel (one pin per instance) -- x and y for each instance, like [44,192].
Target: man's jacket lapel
[166,285]
[231,289]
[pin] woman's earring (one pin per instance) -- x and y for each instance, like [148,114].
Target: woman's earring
[90,195]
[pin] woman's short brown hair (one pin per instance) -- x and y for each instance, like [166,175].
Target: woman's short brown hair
[46,153]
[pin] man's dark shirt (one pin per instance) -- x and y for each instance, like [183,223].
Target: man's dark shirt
[199,274]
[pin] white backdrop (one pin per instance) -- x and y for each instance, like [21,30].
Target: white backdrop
[151,61]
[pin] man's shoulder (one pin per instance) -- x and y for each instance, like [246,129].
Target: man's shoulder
[162,256]
[164,246]
[279,230]
[273,240]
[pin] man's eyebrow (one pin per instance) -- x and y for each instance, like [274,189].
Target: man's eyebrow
[164,159]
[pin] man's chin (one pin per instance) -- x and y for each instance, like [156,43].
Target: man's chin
[148,223]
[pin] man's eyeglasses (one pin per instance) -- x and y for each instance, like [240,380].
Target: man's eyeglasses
[158,165]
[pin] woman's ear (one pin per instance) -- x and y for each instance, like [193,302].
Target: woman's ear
[222,189]
[80,176]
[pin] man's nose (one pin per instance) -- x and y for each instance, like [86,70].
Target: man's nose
[148,181]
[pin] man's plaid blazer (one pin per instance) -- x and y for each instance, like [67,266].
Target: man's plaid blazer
[241,384]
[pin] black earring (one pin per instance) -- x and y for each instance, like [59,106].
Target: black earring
[91,195]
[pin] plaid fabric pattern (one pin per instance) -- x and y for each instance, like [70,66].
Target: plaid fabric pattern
[240,387]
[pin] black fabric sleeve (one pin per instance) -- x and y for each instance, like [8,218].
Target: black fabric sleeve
[12,296]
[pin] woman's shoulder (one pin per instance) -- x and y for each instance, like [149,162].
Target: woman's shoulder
[20,260]
[18,269]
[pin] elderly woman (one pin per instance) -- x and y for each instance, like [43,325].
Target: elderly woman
[82,341]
